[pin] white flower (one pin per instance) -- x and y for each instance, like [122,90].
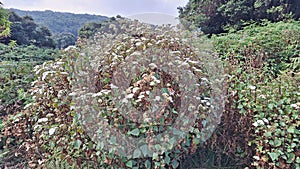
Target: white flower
[139,44]
[42,120]
[157,98]
[97,94]
[152,65]
[252,87]
[256,158]
[52,131]
[170,99]
[105,91]
[255,124]
[135,89]
[73,94]
[124,100]
[152,83]
[45,74]
[37,127]
[260,122]
[266,120]
[129,96]
[112,86]
[141,96]
[262,96]
[295,106]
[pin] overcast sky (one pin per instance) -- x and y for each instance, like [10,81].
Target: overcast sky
[101,7]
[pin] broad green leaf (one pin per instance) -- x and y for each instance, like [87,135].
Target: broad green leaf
[77,144]
[135,132]
[145,150]
[113,140]
[167,159]
[291,158]
[175,163]
[291,129]
[274,156]
[277,143]
[148,164]
[137,153]
[165,90]
[129,164]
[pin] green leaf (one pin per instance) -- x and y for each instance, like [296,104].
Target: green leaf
[113,140]
[178,132]
[145,150]
[165,90]
[155,156]
[277,142]
[291,129]
[77,144]
[137,153]
[148,164]
[298,160]
[175,163]
[129,164]
[270,106]
[135,132]
[167,160]
[52,144]
[291,158]
[274,156]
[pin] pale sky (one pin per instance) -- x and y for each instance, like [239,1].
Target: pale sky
[101,7]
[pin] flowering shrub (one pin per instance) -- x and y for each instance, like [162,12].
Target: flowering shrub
[72,96]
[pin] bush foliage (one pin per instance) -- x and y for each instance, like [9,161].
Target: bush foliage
[219,16]
[263,95]
[259,127]
[53,130]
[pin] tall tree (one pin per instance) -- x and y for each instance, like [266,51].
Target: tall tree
[4,22]
[217,16]
[26,32]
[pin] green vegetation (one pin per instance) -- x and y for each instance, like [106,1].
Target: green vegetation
[218,16]
[4,23]
[26,32]
[53,109]
[61,22]
[263,94]
[260,126]
[16,76]
[63,40]
[63,26]
[90,29]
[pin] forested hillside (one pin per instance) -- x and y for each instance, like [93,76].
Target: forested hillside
[60,22]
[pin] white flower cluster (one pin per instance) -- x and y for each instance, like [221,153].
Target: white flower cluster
[261,122]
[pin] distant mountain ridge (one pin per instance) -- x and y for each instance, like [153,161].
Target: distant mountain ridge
[59,22]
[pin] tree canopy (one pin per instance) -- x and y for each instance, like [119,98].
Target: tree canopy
[218,16]
[60,22]
[26,32]
[4,23]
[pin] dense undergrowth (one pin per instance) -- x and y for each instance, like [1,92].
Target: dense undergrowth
[16,76]
[16,65]
[259,127]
